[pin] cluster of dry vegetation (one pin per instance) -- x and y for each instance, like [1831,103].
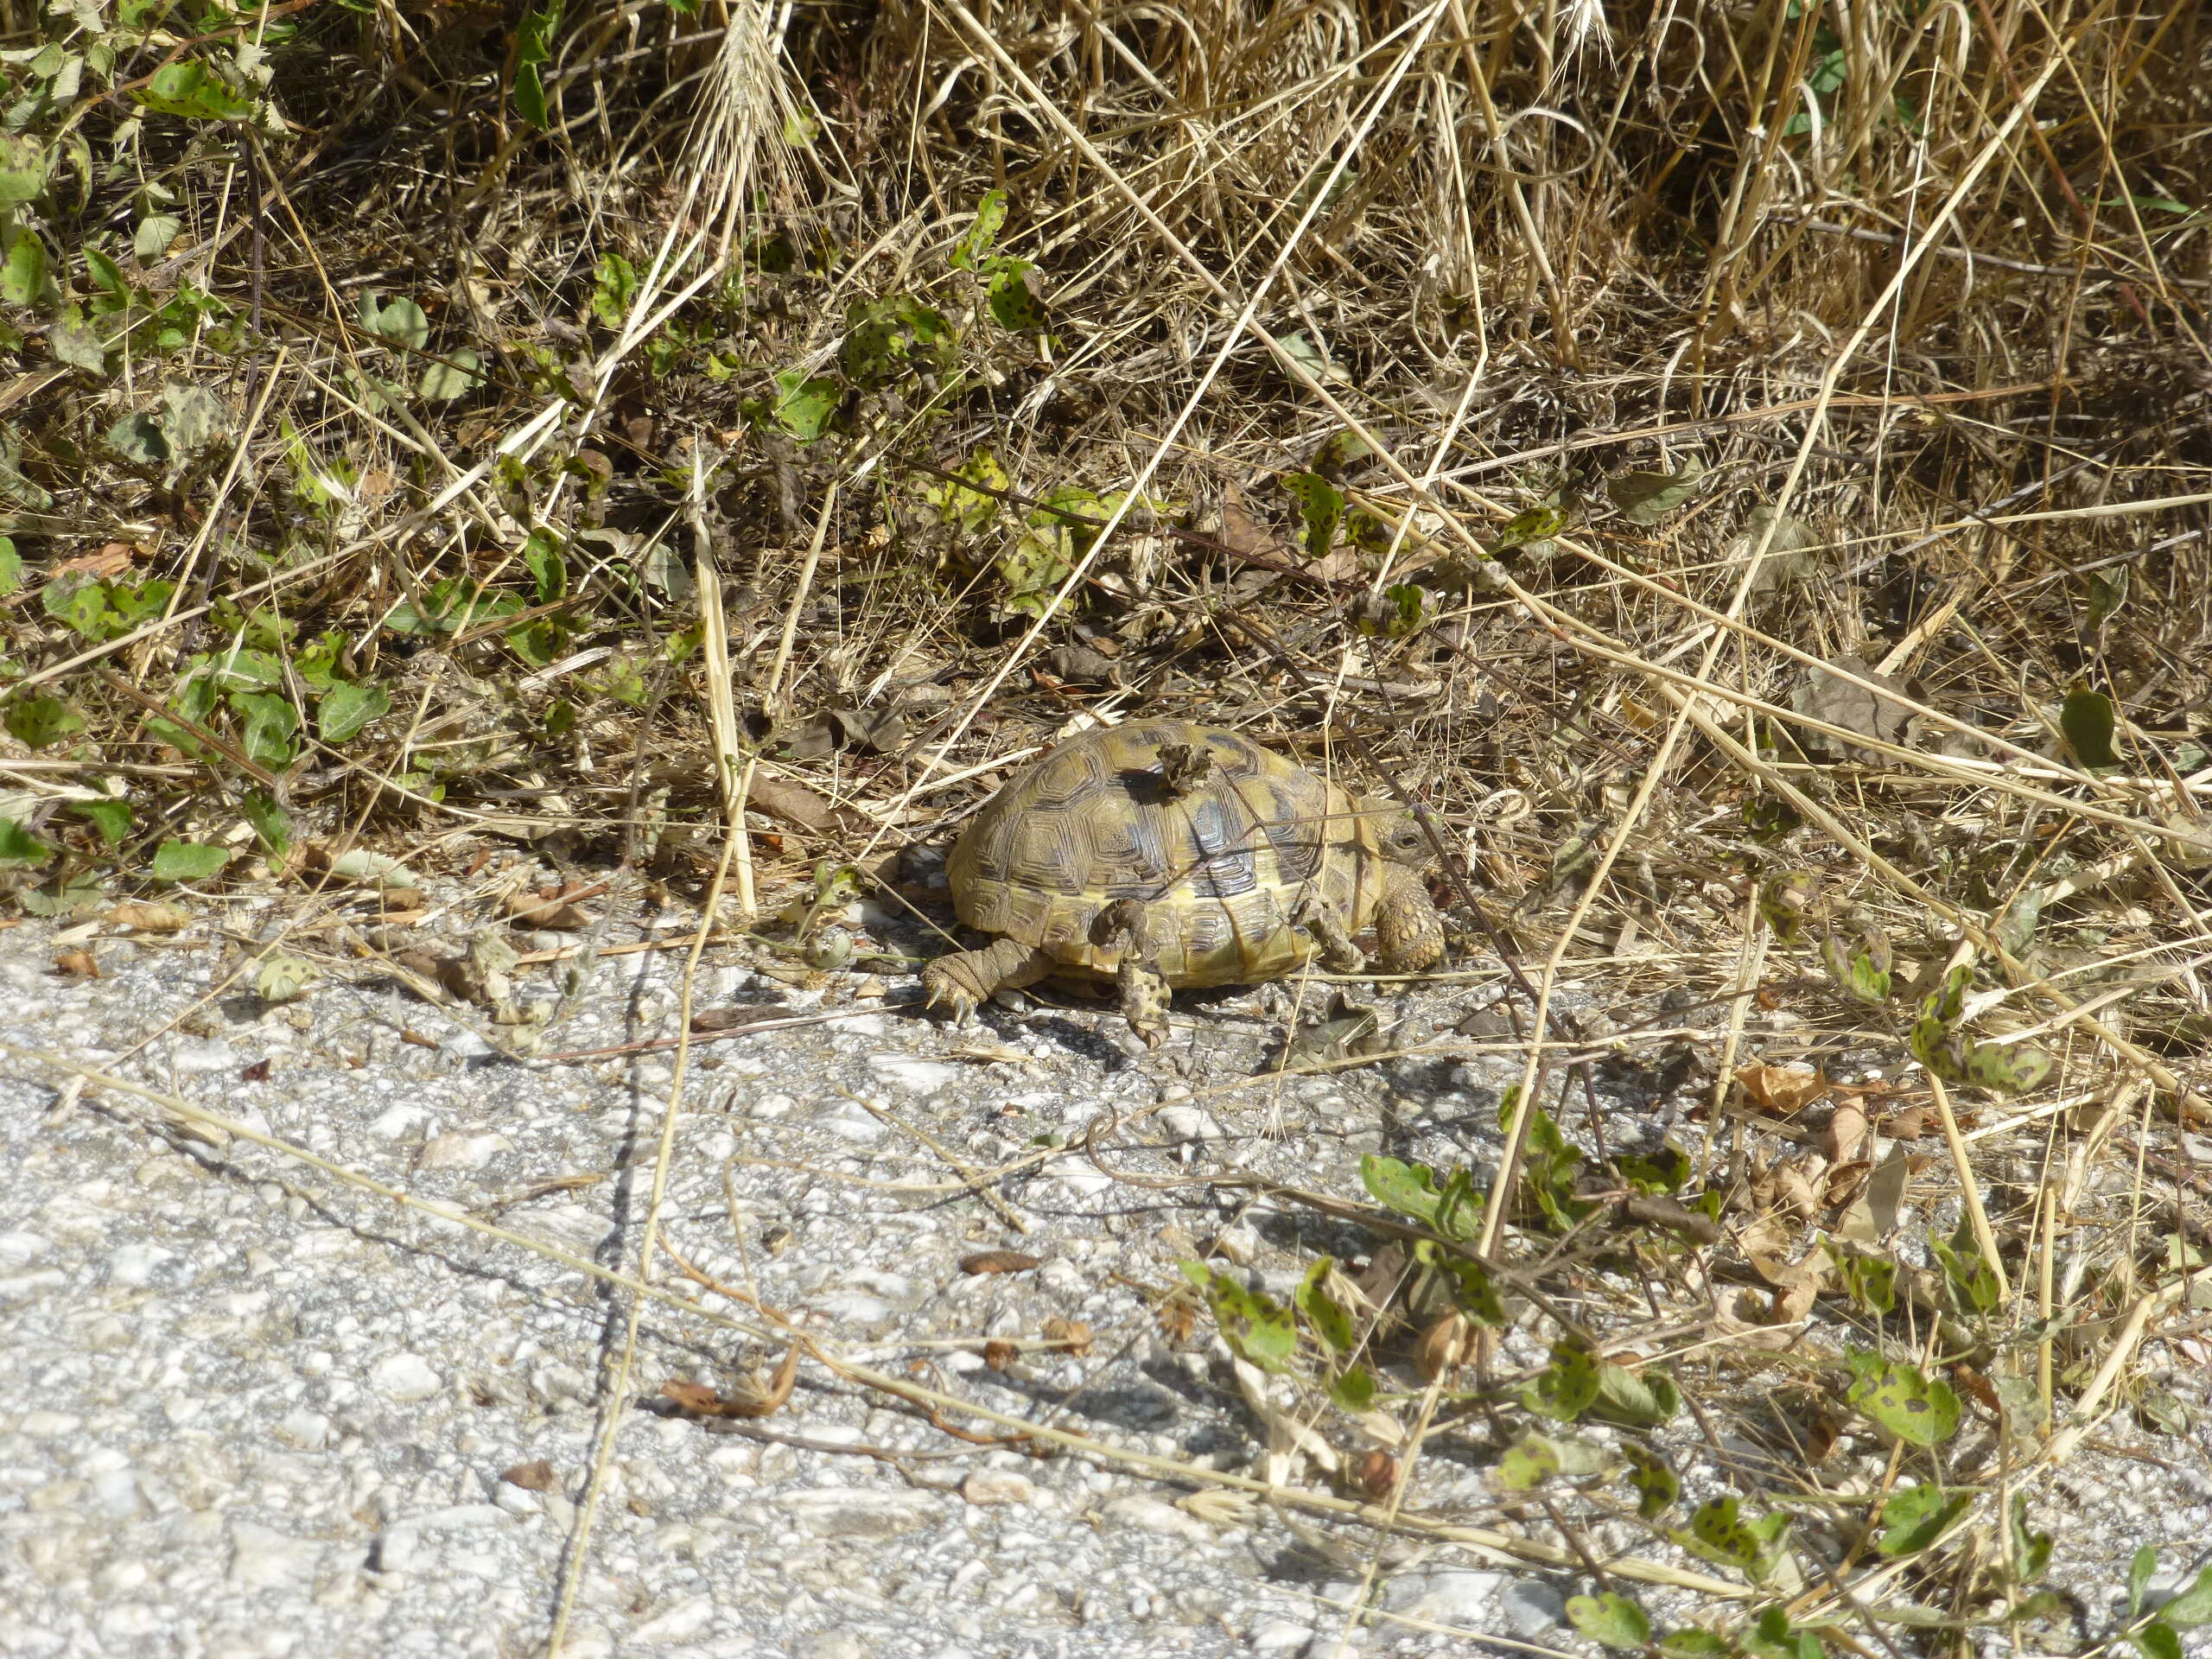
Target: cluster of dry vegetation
[1745,468]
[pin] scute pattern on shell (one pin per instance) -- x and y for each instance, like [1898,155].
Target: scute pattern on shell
[1222,869]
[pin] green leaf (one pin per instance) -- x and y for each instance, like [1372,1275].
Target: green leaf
[1322,1311]
[106,272]
[1917,1408]
[804,405]
[459,374]
[1016,306]
[1645,498]
[346,708]
[285,979]
[2107,593]
[1915,1518]
[2088,720]
[2156,1640]
[1455,1211]
[192,416]
[187,860]
[272,824]
[23,165]
[614,285]
[19,849]
[269,723]
[1041,558]
[41,722]
[1665,1169]
[1719,1533]
[1321,509]
[139,438]
[1564,1389]
[1972,1287]
[1691,1643]
[889,337]
[11,567]
[190,88]
[1609,1620]
[1474,1291]
[1860,968]
[111,817]
[1641,1399]
[968,253]
[1527,1463]
[2008,1068]
[152,237]
[1259,1328]
[2193,1607]
[1528,529]
[399,320]
[22,273]
[1657,1486]
[533,47]
[1353,1389]
[1870,1280]
[2139,1573]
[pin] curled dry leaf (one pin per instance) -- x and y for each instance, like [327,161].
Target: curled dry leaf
[1794,1191]
[1444,1346]
[531,1477]
[76,964]
[1376,1473]
[1000,1355]
[1071,1335]
[1825,696]
[697,1400]
[796,805]
[1219,1508]
[1000,1261]
[553,907]
[1845,1135]
[1780,1091]
[142,918]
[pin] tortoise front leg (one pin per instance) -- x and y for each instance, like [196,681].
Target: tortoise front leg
[1327,924]
[1409,933]
[967,978]
[1145,993]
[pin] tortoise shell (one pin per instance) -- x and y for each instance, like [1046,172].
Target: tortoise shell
[1222,844]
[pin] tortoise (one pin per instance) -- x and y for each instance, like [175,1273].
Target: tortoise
[1162,853]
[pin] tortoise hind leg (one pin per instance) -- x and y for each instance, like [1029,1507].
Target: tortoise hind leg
[1145,993]
[966,978]
[1408,932]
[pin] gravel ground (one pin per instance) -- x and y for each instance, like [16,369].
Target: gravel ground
[247,1409]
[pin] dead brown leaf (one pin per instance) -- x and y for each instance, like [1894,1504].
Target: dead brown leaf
[76,964]
[697,1400]
[1780,1091]
[1000,1355]
[531,1477]
[797,805]
[1000,1261]
[1845,1135]
[1073,1336]
[141,917]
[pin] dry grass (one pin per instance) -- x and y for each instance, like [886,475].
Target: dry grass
[1922,290]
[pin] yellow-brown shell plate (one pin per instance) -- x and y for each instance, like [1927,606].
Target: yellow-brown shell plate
[1221,868]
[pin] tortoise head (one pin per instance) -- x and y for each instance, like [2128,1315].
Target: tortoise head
[1402,840]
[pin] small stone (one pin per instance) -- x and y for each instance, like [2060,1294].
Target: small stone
[204,1057]
[922,1077]
[1189,1123]
[989,1486]
[1449,1596]
[263,1558]
[516,1500]
[405,1377]
[688,1619]
[1330,1646]
[48,1425]
[1280,1636]
[858,1512]
[308,1430]
[829,1644]
[1156,1515]
[132,1265]
[1532,1610]
[458,1151]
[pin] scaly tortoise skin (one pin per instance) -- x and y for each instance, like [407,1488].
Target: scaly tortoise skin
[1162,853]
